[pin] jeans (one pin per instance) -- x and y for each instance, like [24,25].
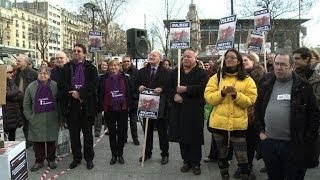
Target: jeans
[277,156]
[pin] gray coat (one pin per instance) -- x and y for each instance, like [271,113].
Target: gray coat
[42,126]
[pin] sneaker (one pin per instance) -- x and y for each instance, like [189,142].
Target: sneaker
[52,164]
[196,170]
[237,174]
[185,168]
[37,166]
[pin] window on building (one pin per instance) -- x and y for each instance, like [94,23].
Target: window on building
[23,44]
[17,33]
[23,35]
[17,23]
[17,43]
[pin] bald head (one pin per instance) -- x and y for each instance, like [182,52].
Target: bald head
[154,57]
[61,59]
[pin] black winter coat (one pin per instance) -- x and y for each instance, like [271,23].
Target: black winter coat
[88,93]
[304,122]
[186,119]
[12,118]
[132,73]
[161,79]
[101,90]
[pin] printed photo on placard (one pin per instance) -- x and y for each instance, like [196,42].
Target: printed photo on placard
[148,105]
[179,35]
[95,41]
[226,32]
[254,41]
[262,20]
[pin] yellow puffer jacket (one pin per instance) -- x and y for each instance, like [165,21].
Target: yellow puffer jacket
[229,114]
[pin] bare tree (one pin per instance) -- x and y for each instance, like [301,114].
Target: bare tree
[159,33]
[288,9]
[40,34]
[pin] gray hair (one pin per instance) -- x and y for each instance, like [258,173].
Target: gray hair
[45,68]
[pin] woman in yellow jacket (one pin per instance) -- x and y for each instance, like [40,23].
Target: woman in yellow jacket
[231,92]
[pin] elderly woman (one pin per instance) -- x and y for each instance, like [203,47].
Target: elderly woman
[115,99]
[231,92]
[40,109]
[11,111]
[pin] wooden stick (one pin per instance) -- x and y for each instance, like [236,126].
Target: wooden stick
[264,51]
[179,64]
[144,142]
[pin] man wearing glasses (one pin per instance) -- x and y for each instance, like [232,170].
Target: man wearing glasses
[302,57]
[132,71]
[79,89]
[287,118]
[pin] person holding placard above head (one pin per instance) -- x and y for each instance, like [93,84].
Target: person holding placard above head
[155,76]
[231,92]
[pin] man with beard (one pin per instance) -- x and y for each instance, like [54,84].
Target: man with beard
[79,89]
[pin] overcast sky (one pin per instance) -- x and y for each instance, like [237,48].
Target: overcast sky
[133,13]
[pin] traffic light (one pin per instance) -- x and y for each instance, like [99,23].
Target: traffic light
[137,44]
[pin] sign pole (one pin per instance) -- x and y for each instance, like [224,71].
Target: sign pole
[1,129]
[145,141]
[264,51]
[179,65]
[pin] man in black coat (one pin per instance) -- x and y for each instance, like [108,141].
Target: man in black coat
[187,111]
[155,76]
[79,87]
[287,118]
[132,72]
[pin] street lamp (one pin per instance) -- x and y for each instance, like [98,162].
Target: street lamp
[93,8]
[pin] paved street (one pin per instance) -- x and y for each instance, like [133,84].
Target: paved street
[132,168]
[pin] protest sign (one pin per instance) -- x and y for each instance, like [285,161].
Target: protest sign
[226,32]
[148,105]
[179,35]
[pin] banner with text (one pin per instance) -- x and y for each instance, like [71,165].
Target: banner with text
[179,35]
[254,41]
[262,20]
[95,41]
[226,32]
[148,106]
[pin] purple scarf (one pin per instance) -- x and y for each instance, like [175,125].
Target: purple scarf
[43,101]
[116,92]
[78,78]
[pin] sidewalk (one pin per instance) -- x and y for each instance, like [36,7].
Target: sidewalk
[132,169]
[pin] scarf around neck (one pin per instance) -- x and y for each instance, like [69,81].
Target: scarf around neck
[43,98]
[78,77]
[115,93]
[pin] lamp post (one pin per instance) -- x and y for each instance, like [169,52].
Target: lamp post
[93,8]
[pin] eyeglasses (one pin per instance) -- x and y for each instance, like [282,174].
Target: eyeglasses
[281,65]
[125,61]
[78,51]
[231,57]
[61,57]
[10,72]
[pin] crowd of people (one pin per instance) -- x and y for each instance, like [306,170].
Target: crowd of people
[272,114]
